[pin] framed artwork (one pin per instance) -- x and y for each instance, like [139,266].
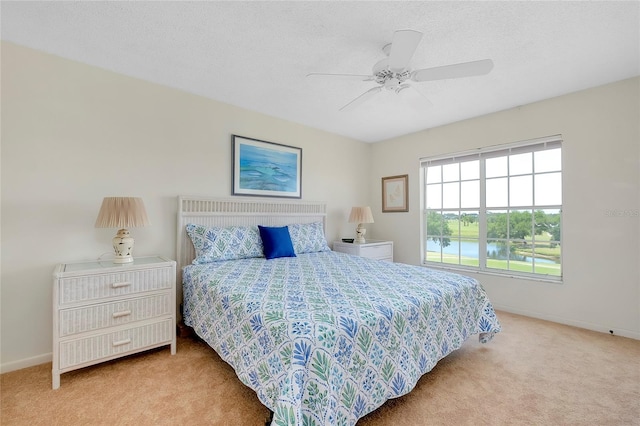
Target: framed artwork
[266,169]
[395,194]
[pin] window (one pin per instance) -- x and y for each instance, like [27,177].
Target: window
[496,210]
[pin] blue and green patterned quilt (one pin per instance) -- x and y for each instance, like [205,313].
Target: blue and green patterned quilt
[325,338]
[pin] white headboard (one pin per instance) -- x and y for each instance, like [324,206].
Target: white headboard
[239,212]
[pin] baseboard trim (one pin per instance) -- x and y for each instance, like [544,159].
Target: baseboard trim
[566,321]
[25,363]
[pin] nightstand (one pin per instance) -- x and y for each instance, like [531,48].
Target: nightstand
[373,249]
[103,311]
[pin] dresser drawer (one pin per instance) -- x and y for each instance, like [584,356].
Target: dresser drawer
[99,286]
[372,249]
[382,251]
[94,348]
[94,317]
[348,248]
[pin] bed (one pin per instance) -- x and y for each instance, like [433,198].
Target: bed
[323,338]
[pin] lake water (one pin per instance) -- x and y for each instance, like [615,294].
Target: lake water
[470,249]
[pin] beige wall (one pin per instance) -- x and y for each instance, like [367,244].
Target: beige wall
[601,173]
[73,134]
[70,131]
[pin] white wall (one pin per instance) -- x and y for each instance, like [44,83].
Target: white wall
[601,172]
[73,134]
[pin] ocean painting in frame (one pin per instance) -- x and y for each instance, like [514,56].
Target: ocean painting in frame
[266,169]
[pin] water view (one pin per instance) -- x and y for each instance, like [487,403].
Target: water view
[471,249]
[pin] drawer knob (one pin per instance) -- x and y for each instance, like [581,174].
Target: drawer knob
[118,285]
[121,314]
[121,342]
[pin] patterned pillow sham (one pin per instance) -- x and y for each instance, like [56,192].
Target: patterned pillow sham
[213,244]
[308,237]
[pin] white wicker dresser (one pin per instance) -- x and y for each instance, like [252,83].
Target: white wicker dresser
[103,311]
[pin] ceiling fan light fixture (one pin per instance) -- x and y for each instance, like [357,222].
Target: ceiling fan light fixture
[393,71]
[392,83]
[402,87]
[383,76]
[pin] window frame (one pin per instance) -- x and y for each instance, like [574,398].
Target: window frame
[482,154]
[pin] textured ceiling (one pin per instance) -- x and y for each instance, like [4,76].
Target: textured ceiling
[256,55]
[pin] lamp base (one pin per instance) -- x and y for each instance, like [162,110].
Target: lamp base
[123,247]
[360,233]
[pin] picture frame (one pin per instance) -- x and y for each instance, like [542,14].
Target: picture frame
[395,194]
[265,169]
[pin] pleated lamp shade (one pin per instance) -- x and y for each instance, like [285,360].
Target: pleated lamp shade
[122,213]
[361,215]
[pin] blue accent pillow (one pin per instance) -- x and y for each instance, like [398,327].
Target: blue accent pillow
[276,242]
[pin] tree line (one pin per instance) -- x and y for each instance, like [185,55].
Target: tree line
[513,225]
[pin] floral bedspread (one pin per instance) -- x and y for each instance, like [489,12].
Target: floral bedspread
[325,338]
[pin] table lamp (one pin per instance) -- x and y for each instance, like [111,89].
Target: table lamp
[361,215]
[122,212]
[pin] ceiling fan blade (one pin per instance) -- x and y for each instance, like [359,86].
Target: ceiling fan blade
[465,69]
[403,47]
[360,99]
[357,77]
[413,97]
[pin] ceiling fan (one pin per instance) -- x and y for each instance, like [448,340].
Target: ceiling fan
[394,73]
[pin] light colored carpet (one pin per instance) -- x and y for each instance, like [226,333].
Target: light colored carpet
[532,373]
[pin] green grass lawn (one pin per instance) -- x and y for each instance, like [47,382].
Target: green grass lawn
[513,265]
[470,231]
[547,251]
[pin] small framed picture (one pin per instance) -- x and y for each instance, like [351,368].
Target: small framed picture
[395,194]
[266,169]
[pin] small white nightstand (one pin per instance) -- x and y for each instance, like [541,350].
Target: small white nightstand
[103,311]
[373,249]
